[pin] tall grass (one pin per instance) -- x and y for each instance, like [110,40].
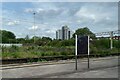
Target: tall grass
[38,51]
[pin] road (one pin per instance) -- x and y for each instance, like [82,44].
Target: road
[106,67]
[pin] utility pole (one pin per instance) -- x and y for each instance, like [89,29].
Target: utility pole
[34,26]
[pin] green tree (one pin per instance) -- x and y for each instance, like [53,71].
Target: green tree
[20,40]
[84,31]
[6,36]
[27,37]
[41,41]
[46,38]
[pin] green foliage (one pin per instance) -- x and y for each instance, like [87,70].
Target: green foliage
[46,39]
[84,31]
[116,44]
[60,43]
[102,47]
[102,43]
[70,42]
[27,37]
[45,46]
[38,51]
[55,43]
[33,52]
[20,40]
[7,36]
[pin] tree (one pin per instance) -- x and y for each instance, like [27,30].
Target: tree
[6,36]
[27,37]
[20,40]
[46,38]
[84,31]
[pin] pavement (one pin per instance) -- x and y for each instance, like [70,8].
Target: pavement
[106,67]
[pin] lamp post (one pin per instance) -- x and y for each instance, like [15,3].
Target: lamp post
[34,26]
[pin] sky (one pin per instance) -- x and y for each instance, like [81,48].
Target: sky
[18,17]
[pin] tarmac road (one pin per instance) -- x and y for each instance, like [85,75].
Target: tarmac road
[106,67]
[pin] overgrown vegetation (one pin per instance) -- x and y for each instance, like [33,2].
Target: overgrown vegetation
[37,51]
[97,47]
[46,46]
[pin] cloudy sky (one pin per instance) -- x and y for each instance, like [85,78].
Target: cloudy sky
[51,16]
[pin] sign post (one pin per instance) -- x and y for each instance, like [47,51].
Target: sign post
[75,52]
[82,47]
[88,52]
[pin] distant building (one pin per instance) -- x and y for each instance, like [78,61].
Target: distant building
[116,37]
[59,34]
[64,33]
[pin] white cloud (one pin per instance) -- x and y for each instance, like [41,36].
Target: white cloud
[50,31]
[96,13]
[34,28]
[29,10]
[78,21]
[38,10]
[108,18]
[45,12]
[86,13]
[11,23]
[95,16]
[38,27]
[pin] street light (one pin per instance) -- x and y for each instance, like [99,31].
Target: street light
[34,26]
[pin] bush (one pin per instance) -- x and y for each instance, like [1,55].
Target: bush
[97,47]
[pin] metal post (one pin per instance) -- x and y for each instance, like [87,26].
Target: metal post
[75,62]
[88,52]
[111,41]
[34,26]
[75,52]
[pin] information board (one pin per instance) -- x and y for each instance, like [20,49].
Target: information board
[82,45]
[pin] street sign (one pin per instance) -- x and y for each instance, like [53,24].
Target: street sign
[82,45]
